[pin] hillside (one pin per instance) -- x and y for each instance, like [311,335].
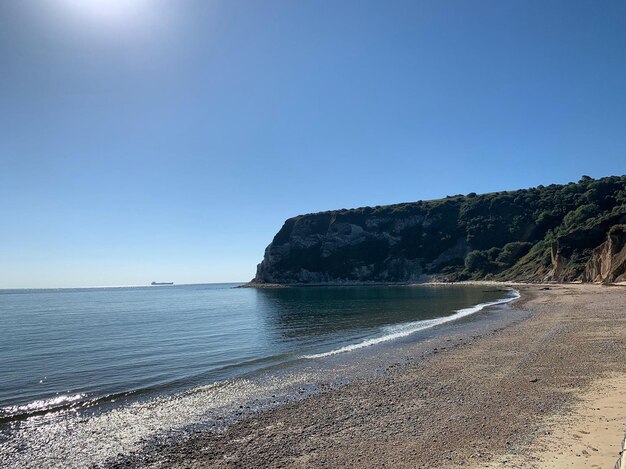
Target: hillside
[565,232]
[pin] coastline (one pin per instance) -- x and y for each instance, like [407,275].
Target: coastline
[82,436]
[503,398]
[425,283]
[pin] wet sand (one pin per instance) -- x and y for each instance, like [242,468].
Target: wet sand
[545,391]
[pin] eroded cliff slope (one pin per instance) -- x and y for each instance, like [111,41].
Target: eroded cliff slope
[558,232]
[608,261]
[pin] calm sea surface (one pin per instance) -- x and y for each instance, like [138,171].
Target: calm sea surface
[79,347]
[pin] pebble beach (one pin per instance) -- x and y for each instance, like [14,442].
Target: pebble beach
[544,390]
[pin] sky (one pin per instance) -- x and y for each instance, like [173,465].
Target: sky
[168,140]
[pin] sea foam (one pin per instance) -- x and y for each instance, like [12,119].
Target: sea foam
[403,330]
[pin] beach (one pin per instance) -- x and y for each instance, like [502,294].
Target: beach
[543,390]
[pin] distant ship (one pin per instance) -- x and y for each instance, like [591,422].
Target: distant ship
[162,283]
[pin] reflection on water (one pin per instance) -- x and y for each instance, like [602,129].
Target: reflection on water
[108,342]
[308,312]
[89,343]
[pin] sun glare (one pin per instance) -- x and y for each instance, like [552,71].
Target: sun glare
[118,12]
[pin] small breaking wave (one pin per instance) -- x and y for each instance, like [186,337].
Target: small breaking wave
[403,330]
[41,406]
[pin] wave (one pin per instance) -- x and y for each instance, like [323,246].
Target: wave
[39,407]
[403,330]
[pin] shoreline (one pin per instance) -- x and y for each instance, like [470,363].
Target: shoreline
[98,403]
[95,435]
[425,283]
[486,400]
[421,326]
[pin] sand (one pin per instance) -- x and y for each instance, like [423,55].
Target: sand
[588,436]
[548,390]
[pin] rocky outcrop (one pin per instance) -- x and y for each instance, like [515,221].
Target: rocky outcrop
[342,247]
[607,263]
[405,243]
[538,234]
[558,271]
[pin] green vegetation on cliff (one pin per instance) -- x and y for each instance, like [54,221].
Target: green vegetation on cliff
[542,233]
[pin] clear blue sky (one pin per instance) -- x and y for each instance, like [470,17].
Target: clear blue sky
[166,140]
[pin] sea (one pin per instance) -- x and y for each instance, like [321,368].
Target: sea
[80,362]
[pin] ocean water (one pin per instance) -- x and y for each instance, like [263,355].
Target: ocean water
[73,349]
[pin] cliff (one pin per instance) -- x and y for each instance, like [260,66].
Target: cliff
[558,232]
[608,261]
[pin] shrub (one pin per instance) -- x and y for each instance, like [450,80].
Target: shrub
[476,260]
[511,252]
[492,253]
[581,214]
